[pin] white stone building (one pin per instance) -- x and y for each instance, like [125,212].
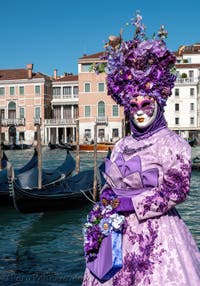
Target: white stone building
[183,107]
[61,126]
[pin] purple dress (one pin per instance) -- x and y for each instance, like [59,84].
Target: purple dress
[158,248]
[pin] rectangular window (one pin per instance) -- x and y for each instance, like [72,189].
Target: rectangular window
[2,113]
[86,67]
[21,90]
[87,134]
[115,110]
[57,112]
[21,136]
[2,90]
[192,106]
[176,91]
[75,90]
[87,111]
[176,107]
[115,132]
[67,90]
[101,87]
[87,87]
[37,112]
[191,74]
[192,120]
[37,89]
[177,120]
[56,91]
[21,113]
[75,111]
[12,90]
[67,112]
[192,91]
[101,133]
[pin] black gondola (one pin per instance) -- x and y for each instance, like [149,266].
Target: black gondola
[4,182]
[61,194]
[15,146]
[28,175]
[60,146]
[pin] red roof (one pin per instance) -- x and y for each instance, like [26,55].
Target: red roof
[93,56]
[14,74]
[67,78]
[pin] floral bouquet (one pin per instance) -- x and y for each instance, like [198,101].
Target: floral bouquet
[101,221]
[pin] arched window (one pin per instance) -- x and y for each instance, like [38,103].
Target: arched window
[11,105]
[11,110]
[101,109]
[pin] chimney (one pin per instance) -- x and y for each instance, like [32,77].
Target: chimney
[29,68]
[55,74]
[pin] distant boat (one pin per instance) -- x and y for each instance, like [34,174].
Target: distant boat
[60,146]
[196,163]
[192,142]
[16,146]
[100,147]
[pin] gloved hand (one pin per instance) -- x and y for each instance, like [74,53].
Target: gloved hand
[125,205]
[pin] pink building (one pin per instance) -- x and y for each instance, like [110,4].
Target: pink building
[95,106]
[25,98]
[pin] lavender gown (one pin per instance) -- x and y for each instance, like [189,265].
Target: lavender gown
[158,248]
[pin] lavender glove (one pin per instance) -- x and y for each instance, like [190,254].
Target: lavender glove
[125,205]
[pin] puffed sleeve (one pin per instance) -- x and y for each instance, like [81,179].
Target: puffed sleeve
[175,157]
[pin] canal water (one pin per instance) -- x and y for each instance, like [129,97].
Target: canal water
[47,248]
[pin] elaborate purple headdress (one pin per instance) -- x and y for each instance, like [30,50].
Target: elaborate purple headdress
[140,66]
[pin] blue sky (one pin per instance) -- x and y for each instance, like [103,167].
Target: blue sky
[55,34]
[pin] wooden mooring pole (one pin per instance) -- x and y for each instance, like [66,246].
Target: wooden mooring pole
[39,151]
[77,147]
[95,164]
[1,151]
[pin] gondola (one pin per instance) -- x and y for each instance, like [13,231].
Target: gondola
[28,175]
[4,181]
[4,161]
[61,194]
[60,146]
[16,146]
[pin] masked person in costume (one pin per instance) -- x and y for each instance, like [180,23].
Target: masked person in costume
[147,175]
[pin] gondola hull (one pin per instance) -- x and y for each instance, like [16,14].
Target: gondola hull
[28,175]
[64,194]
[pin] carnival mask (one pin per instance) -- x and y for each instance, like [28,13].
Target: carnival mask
[143,111]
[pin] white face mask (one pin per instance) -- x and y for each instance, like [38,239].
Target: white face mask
[143,111]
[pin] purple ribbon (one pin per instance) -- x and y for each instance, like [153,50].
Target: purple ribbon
[130,173]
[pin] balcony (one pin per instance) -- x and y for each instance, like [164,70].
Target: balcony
[13,121]
[66,97]
[37,121]
[102,120]
[189,80]
[57,122]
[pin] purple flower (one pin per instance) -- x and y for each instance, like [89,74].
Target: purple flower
[140,66]
[100,222]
